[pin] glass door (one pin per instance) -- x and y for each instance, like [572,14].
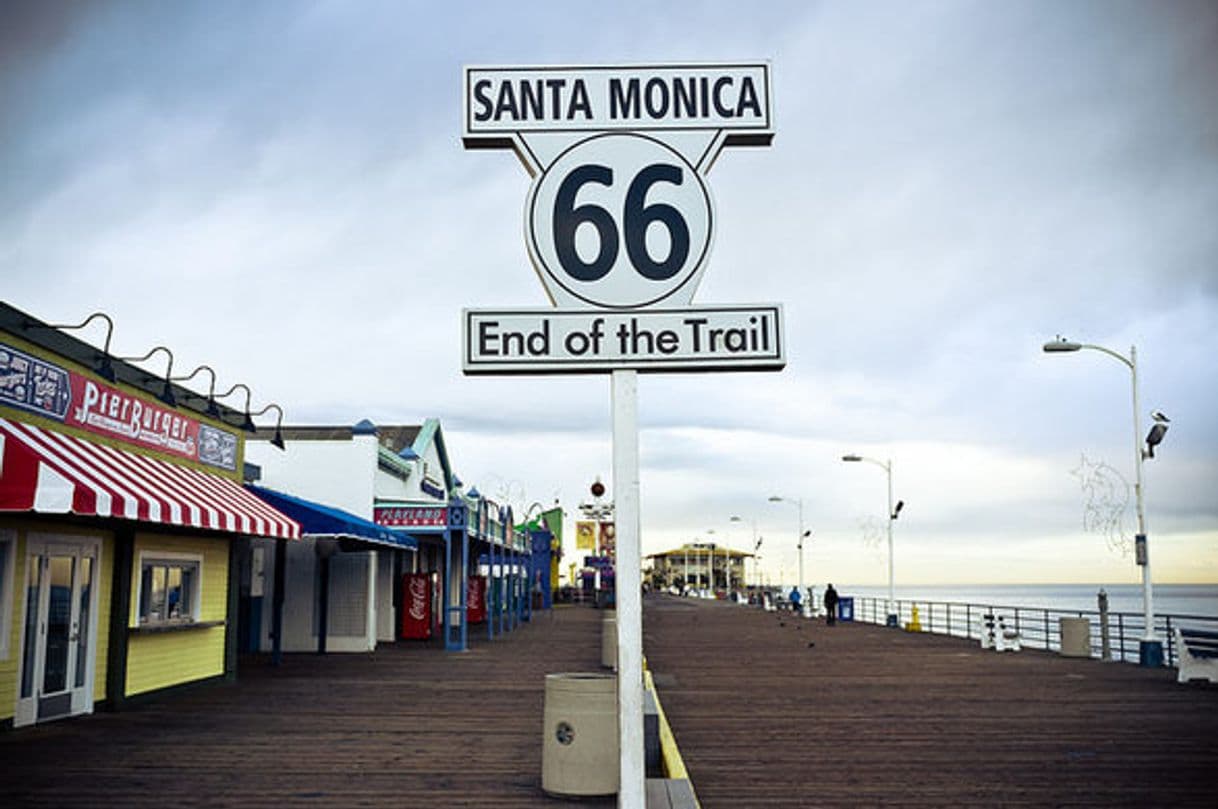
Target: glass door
[58,645]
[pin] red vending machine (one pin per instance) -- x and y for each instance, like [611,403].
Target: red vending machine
[475,600]
[416,606]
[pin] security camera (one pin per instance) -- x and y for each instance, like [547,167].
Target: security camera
[1154,438]
[900,505]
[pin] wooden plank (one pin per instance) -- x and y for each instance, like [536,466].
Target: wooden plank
[866,715]
[407,725]
[774,711]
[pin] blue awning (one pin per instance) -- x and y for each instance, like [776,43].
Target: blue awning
[318,521]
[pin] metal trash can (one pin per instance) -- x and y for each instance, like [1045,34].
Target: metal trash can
[579,754]
[845,608]
[1076,637]
[609,639]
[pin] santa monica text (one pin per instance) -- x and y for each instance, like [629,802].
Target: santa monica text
[532,99]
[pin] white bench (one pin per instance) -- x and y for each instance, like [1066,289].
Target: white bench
[996,635]
[1196,655]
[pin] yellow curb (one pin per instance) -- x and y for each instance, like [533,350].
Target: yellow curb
[674,766]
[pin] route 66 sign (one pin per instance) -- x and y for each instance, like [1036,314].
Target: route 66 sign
[620,218]
[620,221]
[619,215]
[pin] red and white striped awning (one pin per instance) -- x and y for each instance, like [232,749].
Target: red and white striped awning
[52,473]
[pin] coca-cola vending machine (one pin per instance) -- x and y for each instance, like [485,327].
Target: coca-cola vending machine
[416,606]
[475,600]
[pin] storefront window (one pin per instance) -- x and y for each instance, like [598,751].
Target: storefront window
[168,590]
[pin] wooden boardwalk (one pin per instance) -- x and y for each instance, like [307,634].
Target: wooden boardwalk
[407,726]
[865,717]
[869,716]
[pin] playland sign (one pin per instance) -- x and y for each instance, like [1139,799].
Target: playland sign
[619,220]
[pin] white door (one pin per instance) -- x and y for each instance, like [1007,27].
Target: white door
[59,629]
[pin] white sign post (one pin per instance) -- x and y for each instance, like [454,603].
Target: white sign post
[619,224]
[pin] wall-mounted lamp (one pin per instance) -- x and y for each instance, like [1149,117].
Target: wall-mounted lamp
[248,425]
[103,368]
[213,409]
[166,392]
[277,441]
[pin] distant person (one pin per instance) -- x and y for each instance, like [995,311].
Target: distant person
[795,598]
[830,601]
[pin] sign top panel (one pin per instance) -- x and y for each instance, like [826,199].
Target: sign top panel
[501,101]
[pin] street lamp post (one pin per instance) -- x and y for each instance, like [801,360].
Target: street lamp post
[799,545]
[685,575]
[756,561]
[1150,648]
[743,570]
[891,619]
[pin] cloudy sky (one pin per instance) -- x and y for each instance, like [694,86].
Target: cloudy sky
[280,192]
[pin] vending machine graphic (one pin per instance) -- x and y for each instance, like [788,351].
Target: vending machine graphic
[475,600]
[416,606]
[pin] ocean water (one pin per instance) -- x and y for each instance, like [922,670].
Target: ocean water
[1169,599]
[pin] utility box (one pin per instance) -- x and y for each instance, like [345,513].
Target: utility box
[579,754]
[1076,637]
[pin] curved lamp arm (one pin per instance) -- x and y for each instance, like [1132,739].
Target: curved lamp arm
[166,392]
[248,426]
[212,409]
[104,368]
[277,440]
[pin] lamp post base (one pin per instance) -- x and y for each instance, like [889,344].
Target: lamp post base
[1150,654]
[891,620]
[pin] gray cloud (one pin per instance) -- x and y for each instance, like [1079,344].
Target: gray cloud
[281,193]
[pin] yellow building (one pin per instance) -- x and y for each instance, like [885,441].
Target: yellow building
[699,564]
[121,508]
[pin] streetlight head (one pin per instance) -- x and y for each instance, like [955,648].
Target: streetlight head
[775,498]
[1154,438]
[734,518]
[852,457]
[1061,345]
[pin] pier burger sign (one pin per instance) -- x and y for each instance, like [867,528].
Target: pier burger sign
[619,219]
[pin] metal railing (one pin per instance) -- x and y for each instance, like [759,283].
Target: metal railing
[1038,627]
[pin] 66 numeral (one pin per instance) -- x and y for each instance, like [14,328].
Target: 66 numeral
[637,216]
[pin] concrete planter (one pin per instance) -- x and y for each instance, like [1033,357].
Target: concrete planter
[609,639]
[579,755]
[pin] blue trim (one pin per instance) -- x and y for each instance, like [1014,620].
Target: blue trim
[365,427]
[320,520]
[454,615]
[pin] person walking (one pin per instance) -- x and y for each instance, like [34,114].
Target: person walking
[830,602]
[795,598]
